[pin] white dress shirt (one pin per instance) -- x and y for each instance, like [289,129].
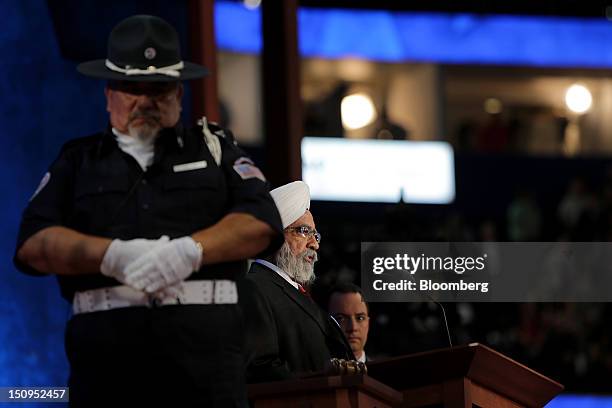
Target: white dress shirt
[362,359]
[140,150]
[279,271]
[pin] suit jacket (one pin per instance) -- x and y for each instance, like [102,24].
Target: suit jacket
[286,331]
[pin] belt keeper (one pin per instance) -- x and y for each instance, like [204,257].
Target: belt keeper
[214,282]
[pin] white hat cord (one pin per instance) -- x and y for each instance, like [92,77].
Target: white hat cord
[170,70]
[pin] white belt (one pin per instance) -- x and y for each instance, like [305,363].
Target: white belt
[200,292]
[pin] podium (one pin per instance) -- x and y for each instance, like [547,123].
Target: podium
[458,377]
[464,376]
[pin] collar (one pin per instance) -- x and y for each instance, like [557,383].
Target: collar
[279,271]
[168,138]
[362,359]
[108,142]
[129,140]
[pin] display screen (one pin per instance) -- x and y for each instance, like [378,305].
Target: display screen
[385,171]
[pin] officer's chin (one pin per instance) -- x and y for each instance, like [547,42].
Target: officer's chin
[146,131]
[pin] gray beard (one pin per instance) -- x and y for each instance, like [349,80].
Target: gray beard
[295,265]
[146,132]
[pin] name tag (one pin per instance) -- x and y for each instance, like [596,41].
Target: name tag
[190,166]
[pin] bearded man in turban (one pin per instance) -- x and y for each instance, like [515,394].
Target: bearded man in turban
[288,334]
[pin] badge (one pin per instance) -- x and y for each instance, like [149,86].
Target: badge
[246,169]
[150,53]
[190,166]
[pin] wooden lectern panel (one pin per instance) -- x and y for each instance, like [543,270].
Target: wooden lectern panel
[355,391]
[459,377]
[463,376]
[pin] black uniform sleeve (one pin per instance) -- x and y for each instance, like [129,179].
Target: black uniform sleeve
[49,205]
[249,190]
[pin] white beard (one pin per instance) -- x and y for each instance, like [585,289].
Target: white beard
[296,266]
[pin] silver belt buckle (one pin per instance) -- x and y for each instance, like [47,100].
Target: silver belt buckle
[153,301]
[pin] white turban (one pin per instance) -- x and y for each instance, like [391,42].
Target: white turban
[292,201]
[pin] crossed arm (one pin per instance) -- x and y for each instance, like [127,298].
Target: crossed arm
[63,251]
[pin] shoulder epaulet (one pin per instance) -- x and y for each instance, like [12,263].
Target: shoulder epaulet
[222,133]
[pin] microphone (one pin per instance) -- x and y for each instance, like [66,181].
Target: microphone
[450,342]
[431,299]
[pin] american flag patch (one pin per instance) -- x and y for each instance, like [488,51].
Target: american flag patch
[246,169]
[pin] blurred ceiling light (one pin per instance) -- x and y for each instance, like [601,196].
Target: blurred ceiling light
[493,106]
[357,110]
[578,98]
[252,4]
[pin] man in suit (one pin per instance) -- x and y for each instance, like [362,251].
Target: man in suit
[287,333]
[349,308]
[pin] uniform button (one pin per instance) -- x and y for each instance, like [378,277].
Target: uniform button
[145,206]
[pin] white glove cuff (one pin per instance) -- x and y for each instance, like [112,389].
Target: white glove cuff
[107,267]
[193,251]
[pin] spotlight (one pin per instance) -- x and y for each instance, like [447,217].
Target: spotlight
[252,4]
[357,110]
[493,106]
[578,99]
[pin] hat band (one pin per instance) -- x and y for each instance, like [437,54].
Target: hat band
[170,70]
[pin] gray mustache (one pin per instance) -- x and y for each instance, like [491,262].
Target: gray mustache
[145,115]
[312,253]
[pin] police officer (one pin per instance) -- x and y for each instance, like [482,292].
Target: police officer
[147,226]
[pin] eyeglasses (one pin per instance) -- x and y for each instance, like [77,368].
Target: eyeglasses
[306,232]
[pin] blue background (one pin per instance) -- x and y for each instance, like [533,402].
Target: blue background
[44,102]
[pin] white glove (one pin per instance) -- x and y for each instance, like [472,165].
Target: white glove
[164,265]
[121,253]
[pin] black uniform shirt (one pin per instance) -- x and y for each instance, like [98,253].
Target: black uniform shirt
[95,188]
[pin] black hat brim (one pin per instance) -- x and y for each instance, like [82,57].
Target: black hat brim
[98,69]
